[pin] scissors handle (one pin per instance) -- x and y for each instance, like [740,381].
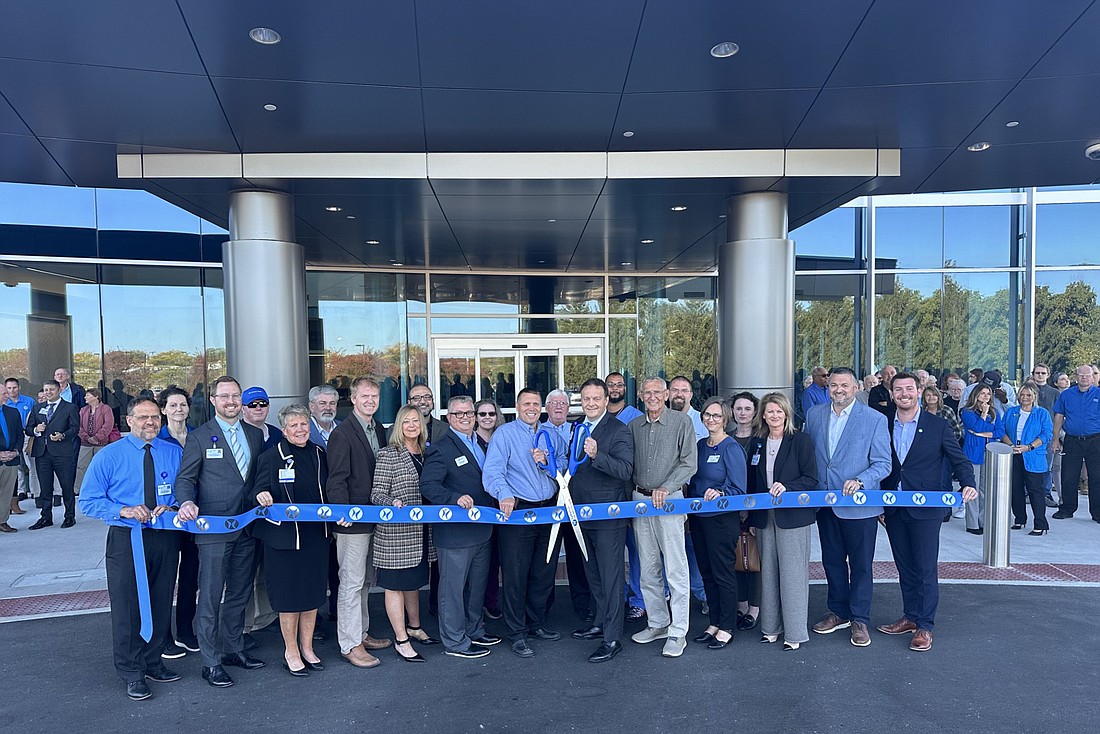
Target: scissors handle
[544,441]
[577,456]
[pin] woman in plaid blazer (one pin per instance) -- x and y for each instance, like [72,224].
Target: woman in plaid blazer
[402,551]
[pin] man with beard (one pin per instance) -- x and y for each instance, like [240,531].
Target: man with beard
[421,396]
[680,394]
[617,407]
[322,412]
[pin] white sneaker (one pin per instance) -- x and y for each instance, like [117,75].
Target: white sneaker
[674,647]
[649,634]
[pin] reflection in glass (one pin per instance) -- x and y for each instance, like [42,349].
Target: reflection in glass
[1067,318]
[456,379]
[541,372]
[676,324]
[978,236]
[980,313]
[1067,234]
[498,379]
[827,320]
[830,241]
[578,368]
[516,294]
[907,325]
[909,237]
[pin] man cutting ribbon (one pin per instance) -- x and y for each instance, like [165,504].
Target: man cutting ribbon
[132,481]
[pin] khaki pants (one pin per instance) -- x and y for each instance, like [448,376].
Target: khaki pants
[9,475]
[660,538]
[355,554]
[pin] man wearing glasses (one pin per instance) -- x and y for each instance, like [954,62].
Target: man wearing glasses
[216,475]
[421,396]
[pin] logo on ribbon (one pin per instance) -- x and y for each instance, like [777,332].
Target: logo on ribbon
[803,499]
[948,499]
[723,503]
[177,522]
[696,505]
[750,502]
[202,524]
[613,510]
[500,516]
[830,498]
[356,514]
[918,498]
[640,508]
[859,498]
[416,514]
[385,514]
[668,506]
[261,511]
[292,511]
[444,513]
[777,500]
[586,512]
[231,524]
[474,513]
[324,512]
[529,516]
[558,515]
[889,498]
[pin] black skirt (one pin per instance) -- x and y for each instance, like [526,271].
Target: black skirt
[405,579]
[297,580]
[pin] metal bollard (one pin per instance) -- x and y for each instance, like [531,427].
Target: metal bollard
[997,484]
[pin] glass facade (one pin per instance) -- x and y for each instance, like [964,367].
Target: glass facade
[125,290]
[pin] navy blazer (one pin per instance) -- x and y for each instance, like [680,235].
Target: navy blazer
[795,468]
[66,420]
[922,470]
[450,471]
[13,420]
[607,477]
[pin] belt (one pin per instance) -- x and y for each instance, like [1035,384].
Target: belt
[1084,438]
[649,492]
[522,504]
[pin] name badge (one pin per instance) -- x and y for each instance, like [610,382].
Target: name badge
[461,461]
[213,453]
[163,490]
[286,475]
[756,459]
[44,411]
[715,458]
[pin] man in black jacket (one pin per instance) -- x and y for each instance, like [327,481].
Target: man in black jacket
[53,424]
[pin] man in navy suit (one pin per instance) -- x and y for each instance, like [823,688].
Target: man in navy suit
[452,476]
[921,443]
[54,424]
[852,447]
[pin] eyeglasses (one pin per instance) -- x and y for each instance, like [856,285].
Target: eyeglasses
[258,404]
[560,403]
[653,393]
[462,413]
[486,415]
[616,384]
[229,396]
[712,416]
[421,398]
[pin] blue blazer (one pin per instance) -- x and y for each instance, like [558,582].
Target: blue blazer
[974,446]
[922,470]
[1040,426]
[862,452]
[450,471]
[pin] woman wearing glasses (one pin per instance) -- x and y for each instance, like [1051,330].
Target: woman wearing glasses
[721,472]
[488,418]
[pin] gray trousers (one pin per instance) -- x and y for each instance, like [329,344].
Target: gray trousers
[463,574]
[975,509]
[784,580]
[8,477]
[661,546]
[226,571]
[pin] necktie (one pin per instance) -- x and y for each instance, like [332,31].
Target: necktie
[49,412]
[150,478]
[238,451]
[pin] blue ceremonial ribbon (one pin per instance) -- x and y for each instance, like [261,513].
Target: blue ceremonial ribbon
[141,574]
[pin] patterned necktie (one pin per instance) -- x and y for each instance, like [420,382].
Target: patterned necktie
[238,451]
[49,412]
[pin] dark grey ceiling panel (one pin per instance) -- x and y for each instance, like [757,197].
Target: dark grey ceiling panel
[471,120]
[315,117]
[710,120]
[359,187]
[9,121]
[779,49]
[923,42]
[1033,164]
[517,187]
[365,209]
[23,159]
[1047,109]
[133,34]
[898,116]
[356,42]
[539,234]
[535,208]
[106,105]
[1076,52]
[567,45]
[90,164]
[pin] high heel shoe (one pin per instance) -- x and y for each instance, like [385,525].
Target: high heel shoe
[315,667]
[414,658]
[790,646]
[1038,532]
[299,673]
[1018,526]
[420,636]
[768,639]
[716,644]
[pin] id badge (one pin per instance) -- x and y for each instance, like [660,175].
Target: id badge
[756,459]
[213,453]
[461,461]
[164,489]
[714,458]
[286,475]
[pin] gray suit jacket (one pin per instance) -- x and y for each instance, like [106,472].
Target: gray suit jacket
[862,452]
[216,485]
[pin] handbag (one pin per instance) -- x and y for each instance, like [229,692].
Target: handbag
[748,553]
[114,435]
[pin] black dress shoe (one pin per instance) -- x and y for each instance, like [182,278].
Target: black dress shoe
[242,660]
[703,638]
[975,531]
[138,690]
[319,635]
[68,522]
[716,644]
[250,642]
[216,677]
[486,640]
[315,667]
[592,633]
[299,673]
[162,674]
[546,635]
[41,523]
[605,652]
[521,648]
[1018,526]
[1060,515]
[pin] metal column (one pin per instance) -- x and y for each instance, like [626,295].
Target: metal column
[265,297]
[997,484]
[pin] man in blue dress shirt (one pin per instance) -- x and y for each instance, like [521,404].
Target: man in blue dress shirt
[133,479]
[1077,412]
[817,393]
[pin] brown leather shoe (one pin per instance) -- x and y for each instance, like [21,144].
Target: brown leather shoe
[5,528]
[360,658]
[901,627]
[16,509]
[860,636]
[831,623]
[922,641]
[371,643]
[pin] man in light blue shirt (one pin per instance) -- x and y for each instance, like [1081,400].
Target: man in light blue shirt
[1077,411]
[512,476]
[816,393]
[617,405]
[23,403]
[133,480]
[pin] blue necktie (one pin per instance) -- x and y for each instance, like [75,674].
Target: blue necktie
[49,413]
[238,451]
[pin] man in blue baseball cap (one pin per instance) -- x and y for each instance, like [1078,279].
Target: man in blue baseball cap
[256,406]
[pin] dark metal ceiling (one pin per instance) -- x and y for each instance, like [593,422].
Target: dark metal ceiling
[81,81]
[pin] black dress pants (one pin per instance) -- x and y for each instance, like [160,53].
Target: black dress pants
[1027,487]
[527,577]
[64,467]
[715,540]
[606,542]
[1078,450]
[133,656]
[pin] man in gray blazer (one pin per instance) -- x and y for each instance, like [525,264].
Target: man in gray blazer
[216,474]
[852,446]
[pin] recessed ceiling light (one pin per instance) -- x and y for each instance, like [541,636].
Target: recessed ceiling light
[628,134]
[626,263]
[270,107]
[678,208]
[542,262]
[647,242]
[1012,123]
[724,50]
[721,216]
[978,147]
[266,36]
[373,242]
[333,209]
[351,216]
[551,220]
[397,265]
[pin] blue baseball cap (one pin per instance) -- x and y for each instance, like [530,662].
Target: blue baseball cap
[254,393]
